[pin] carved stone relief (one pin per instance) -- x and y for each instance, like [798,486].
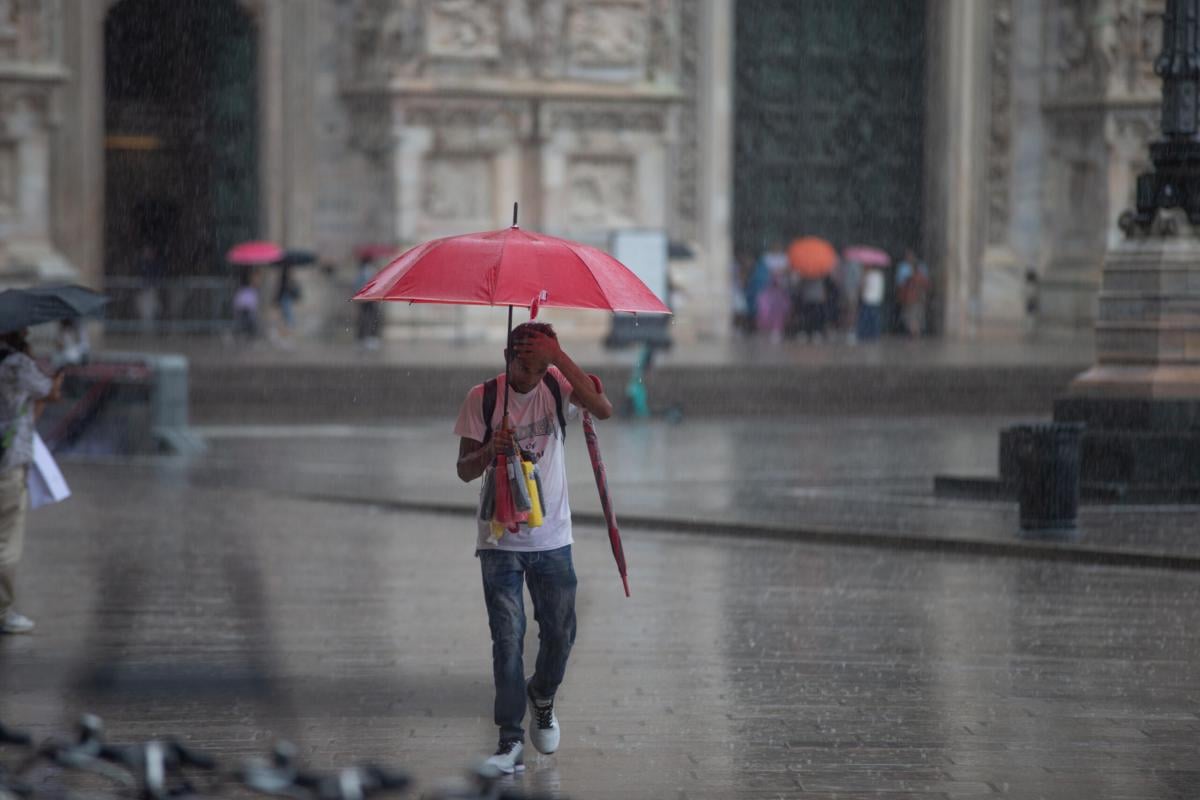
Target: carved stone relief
[1000,140]
[641,118]
[490,115]
[608,36]
[602,192]
[686,215]
[1129,35]
[1077,197]
[1103,48]
[1078,68]
[387,40]
[463,29]
[457,187]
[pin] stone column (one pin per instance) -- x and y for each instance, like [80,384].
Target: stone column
[1014,162]
[713,319]
[956,124]
[30,74]
[78,186]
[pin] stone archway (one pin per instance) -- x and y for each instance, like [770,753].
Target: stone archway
[180,150]
[79,180]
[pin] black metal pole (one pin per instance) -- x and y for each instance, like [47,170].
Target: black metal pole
[507,356]
[1175,180]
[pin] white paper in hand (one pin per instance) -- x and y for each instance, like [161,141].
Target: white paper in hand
[45,482]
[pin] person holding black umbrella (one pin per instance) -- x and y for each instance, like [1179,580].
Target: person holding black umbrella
[23,390]
[544,387]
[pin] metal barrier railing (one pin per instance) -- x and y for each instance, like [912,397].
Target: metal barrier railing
[179,305]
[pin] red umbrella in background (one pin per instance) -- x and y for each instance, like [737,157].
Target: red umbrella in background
[248,254]
[512,267]
[867,256]
[812,257]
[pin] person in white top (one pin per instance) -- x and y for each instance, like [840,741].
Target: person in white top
[545,388]
[23,389]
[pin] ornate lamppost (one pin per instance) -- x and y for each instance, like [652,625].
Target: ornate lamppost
[1141,400]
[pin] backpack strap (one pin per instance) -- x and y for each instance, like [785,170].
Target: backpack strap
[556,390]
[489,405]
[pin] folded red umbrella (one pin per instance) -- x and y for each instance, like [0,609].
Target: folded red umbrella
[610,516]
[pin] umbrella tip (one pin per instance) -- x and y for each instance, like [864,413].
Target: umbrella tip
[514,215]
[625,581]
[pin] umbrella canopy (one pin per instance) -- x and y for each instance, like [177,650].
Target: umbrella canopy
[248,254]
[512,267]
[23,308]
[295,258]
[812,257]
[867,256]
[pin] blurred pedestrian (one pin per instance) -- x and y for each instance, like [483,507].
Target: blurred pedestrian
[774,307]
[849,276]
[741,272]
[905,269]
[72,346]
[152,273]
[912,296]
[813,298]
[23,390]
[870,307]
[287,294]
[369,315]
[546,388]
[1032,285]
[246,304]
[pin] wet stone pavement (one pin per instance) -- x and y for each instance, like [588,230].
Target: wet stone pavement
[210,598]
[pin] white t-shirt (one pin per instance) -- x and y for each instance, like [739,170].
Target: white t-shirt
[872,288]
[535,421]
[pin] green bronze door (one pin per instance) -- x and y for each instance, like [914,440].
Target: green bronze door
[828,128]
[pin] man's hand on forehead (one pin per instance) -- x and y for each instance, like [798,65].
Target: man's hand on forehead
[534,346]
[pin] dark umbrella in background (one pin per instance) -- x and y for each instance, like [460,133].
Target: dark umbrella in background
[24,308]
[296,258]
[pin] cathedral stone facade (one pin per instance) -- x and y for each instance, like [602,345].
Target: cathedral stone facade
[400,120]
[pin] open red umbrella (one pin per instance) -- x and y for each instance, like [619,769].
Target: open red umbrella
[513,267]
[867,256]
[249,254]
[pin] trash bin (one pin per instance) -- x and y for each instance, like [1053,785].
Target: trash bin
[1047,459]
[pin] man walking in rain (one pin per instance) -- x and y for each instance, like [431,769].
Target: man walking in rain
[547,388]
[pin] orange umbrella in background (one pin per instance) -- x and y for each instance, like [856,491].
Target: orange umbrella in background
[812,257]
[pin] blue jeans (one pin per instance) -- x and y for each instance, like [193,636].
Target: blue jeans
[550,576]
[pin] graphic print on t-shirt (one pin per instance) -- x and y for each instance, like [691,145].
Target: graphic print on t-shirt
[534,417]
[526,435]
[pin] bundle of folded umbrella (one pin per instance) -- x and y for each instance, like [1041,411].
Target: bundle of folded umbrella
[511,495]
